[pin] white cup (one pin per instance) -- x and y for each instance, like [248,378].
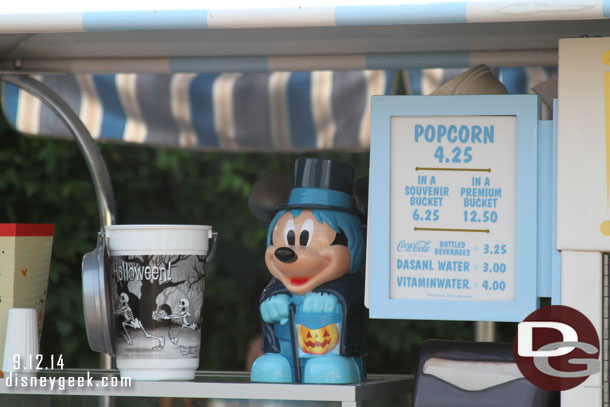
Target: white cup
[157,274]
[21,345]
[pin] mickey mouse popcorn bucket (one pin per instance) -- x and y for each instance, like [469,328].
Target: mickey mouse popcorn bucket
[155,281]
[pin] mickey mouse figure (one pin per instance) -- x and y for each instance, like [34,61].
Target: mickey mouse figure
[312,310]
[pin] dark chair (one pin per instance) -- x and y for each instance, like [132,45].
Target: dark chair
[474,374]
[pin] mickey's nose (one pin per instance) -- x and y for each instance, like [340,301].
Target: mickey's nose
[286,255]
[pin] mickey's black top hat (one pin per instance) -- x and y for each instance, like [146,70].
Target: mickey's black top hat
[324,174]
[322,184]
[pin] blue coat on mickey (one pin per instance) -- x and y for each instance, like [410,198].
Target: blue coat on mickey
[315,248]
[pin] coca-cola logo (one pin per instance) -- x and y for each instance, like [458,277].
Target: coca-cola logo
[422,246]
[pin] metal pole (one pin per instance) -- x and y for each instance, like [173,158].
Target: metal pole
[275,63]
[484,331]
[295,350]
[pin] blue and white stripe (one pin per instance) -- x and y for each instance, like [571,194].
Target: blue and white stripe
[201,108]
[279,120]
[129,16]
[322,108]
[224,127]
[180,108]
[280,111]
[114,117]
[29,111]
[300,111]
[135,129]
[90,109]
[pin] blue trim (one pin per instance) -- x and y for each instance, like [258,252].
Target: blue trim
[220,64]
[526,109]
[114,118]
[317,321]
[378,256]
[389,82]
[94,21]
[420,60]
[555,254]
[515,80]
[202,110]
[545,205]
[606,8]
[302,128]
[318,196]
[454,12]
[11,102]
[415,79]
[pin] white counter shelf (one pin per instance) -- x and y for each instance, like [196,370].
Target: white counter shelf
[210,388]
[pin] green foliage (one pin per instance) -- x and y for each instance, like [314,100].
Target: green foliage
[47,181]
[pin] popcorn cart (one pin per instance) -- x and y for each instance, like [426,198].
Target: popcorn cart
[480,203]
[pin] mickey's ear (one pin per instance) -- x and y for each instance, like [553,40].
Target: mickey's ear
[361,194]
[268,193]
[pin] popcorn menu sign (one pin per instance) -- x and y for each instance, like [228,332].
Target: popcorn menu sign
[452,209]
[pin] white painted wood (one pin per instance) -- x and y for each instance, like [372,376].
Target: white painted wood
[583,177]
[581,282]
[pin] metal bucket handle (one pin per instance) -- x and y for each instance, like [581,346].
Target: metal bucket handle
[212,251]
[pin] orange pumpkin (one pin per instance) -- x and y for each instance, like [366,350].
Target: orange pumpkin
[318,341]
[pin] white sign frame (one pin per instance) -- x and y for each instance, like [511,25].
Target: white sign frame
[526,109]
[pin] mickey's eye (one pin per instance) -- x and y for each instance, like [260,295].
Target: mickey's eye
[289,232]
[306,233]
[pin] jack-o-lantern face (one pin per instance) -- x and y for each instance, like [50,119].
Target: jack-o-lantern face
[318,341]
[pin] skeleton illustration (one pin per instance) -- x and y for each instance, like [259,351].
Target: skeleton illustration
[131,321]
[187,320]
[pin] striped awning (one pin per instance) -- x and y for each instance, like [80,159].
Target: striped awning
[278,111]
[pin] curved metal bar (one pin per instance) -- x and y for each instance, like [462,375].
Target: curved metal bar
[97,167]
